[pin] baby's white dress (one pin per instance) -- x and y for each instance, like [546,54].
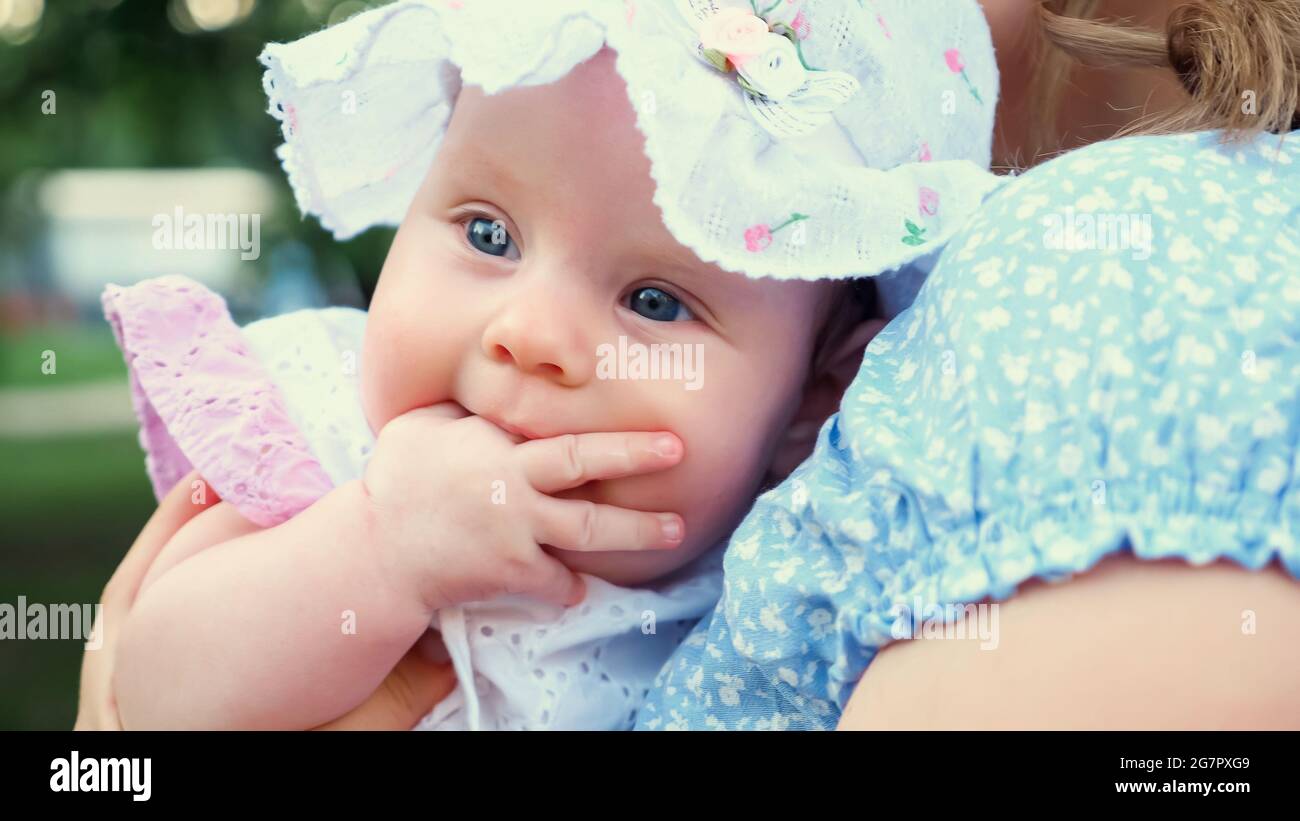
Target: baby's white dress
[270,415]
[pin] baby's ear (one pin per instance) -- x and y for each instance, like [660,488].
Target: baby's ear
[826,386]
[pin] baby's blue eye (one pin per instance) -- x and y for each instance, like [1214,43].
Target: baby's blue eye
[490,237]
[659,305]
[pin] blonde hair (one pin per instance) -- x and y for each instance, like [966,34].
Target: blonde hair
[1238,61]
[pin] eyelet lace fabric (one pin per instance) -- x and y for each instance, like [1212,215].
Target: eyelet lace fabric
[271,416]
[538,666]
[895,172]
[204,401]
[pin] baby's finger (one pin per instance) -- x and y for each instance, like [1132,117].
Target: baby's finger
[574,524]
[443,411]
[564,462]
[557,583]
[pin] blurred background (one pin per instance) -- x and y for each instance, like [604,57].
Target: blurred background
[114,115]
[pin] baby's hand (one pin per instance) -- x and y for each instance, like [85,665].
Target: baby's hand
[461,508]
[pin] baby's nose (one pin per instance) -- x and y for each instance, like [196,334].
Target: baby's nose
[549,346]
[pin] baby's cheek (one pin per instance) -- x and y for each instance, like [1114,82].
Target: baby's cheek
[397,372]
[375,379]
[726,430]
[718,483]
[385,362]
[714,483]
[710,492]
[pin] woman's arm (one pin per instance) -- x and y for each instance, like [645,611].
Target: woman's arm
[1129,645]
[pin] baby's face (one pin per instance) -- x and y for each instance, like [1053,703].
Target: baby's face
[533,242]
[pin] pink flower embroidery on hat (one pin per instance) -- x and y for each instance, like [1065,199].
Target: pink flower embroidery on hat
[787,96]
[929,199]
[759,237]
[802,28]
[958,66]
[736,33]
[925,155]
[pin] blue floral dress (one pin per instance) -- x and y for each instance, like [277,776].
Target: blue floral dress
[1106,358]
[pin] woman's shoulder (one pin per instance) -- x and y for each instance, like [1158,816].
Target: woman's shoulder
[1147,215]
[1261,160]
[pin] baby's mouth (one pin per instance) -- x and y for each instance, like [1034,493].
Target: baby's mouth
[522,431]
[515,430]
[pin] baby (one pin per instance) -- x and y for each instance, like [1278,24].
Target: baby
[556,524]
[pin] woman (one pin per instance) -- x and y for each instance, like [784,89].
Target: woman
[1099,102]
[1099,381]
[1139,643]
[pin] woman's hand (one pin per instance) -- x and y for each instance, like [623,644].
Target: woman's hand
[420,680]
[473,528]
[96,707]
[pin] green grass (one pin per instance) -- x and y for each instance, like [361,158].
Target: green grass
[69,509]
[81,353]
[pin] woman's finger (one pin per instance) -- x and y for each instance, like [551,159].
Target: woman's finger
[96,707]
[564,462]
[418,682]
[188,498]
[574,524]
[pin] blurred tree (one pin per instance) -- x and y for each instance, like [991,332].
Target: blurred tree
[135,84]
[131,89]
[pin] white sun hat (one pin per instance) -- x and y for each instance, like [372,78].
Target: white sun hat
[799,139]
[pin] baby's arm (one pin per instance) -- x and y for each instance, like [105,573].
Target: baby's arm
[225,638]
[219,523]
[338,593]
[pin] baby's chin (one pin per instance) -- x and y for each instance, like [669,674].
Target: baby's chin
[626,568]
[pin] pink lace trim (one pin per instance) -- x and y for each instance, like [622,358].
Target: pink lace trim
[204,402]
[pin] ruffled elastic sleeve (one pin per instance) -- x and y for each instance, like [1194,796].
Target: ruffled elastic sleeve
[204,402]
